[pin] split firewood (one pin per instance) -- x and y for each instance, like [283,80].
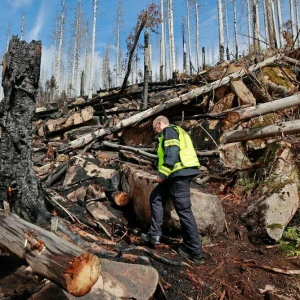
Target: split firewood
[50,256]
[86,139]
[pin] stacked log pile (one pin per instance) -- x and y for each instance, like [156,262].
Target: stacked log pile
[231,109]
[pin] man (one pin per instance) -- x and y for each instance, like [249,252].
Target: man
[177,165]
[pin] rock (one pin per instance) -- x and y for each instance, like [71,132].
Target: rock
[276,197]
[233,156]
[128,281]
[51,291]
[207,208]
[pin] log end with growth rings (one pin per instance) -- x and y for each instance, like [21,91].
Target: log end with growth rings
[233,117]
[121,198]
[82,273]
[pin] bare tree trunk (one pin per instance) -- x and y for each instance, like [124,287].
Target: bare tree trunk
[22,26]
[197,36]
[203,58]
[262,109]
[189,36]
[82,84]
[118,54]
[85,57]
[221,31]
[184,46]
[162,45]
[226,29]
[56,36]
[60,50]
[235,31]
[249,25]
[292,14]
[146,70]
[78,22]
[279,21]
[90,96]
[18,182]
[256,30]
[241,135]
[266,21]
[297,22]
[271,24]
[171,37]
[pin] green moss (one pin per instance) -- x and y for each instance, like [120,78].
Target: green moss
[290,242]
[274,74]
[275,226]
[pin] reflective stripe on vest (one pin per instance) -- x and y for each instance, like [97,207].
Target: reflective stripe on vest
[187,153]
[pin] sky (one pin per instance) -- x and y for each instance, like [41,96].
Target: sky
[40,23]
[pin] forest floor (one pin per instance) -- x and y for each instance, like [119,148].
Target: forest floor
[233,269]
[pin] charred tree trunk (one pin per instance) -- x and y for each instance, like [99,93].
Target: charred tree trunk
[18,182]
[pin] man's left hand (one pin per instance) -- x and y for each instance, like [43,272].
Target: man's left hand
[159,179]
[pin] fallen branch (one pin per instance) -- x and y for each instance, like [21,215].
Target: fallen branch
[241,135]
[116,146]
[155,256]
[262,109]
[267,268]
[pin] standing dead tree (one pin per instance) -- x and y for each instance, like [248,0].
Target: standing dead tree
[18,182]
[148,18]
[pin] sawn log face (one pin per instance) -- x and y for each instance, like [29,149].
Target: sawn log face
[74,269]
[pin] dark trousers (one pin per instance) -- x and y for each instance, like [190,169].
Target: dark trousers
[178,189]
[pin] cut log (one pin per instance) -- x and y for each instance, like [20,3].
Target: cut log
[86,139]
[262,109]
[50,256]
[121,198]
[240,135]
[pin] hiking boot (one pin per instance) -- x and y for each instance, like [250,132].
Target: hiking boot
[153,239]
[184,252]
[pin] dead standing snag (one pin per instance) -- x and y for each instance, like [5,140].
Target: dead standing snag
[21,73]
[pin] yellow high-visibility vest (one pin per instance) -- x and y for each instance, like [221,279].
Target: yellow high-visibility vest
[187,153]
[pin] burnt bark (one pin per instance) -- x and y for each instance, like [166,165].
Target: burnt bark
[18,182]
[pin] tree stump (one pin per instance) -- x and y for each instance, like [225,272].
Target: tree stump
[18,182]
